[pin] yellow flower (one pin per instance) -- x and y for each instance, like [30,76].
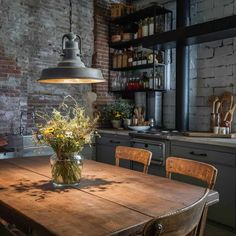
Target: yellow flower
[60,136]
[48,131]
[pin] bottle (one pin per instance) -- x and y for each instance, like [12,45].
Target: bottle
[159,57]
[140,29]
[151,26]
[151,81]
[145,58]
[145,80]
[135,57]
[114,59]
[145,27]
[119,59]
[139,56]
[130,57]
[157,81]
[124,59]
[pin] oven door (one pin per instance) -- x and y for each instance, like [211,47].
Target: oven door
[158,149]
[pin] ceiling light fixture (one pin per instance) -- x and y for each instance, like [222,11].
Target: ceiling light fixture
[71,70]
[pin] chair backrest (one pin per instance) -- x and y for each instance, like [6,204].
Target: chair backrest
[179,223]
[133,154]
[199,170]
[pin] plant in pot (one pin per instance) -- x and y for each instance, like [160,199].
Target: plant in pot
[116,112]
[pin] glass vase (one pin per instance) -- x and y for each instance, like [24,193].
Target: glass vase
[66,172]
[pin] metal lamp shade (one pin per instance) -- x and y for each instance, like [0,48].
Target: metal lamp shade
[71,75]
[71,70]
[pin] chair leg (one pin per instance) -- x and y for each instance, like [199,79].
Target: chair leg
[202,223]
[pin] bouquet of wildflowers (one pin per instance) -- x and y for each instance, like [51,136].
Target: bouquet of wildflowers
[66,130]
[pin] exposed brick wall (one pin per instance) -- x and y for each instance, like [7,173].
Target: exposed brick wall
[30,40]
[101,48]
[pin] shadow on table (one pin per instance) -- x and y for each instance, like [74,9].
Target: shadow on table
[41,189]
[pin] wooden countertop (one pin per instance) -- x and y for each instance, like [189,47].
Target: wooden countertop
[108,200]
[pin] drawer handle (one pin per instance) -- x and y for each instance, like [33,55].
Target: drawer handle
[198,154]
[117,142]
[159,163]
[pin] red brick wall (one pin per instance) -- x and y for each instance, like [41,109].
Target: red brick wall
[8,66]
[101,48]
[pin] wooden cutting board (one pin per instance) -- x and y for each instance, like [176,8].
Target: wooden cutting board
[209,135]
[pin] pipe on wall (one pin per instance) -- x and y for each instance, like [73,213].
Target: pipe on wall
[182,69]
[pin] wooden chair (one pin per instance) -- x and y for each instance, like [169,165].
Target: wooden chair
[199,170]
[134,154]
[179,223]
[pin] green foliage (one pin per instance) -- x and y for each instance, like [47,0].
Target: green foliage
[117,110]
[66,130]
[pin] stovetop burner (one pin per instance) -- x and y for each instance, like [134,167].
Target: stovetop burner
[158,133]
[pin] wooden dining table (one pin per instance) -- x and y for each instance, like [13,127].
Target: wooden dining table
[109,200]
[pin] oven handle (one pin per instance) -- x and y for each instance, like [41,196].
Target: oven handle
[159,144]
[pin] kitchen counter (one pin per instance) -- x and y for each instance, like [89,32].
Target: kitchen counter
[115,131]
[225,142]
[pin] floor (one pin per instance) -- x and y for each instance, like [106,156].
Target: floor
[217,230]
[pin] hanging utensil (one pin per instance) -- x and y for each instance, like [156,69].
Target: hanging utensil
[229,115]
[217,108]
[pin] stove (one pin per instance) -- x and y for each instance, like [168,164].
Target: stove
[155,134]
[158,142]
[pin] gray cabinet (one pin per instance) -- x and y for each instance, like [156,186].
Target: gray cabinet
[224,159]
[106,145]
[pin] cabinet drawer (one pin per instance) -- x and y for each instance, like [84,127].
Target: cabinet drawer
[113,140]
[204,155]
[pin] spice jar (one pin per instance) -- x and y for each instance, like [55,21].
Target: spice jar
[145,27]
[151,26]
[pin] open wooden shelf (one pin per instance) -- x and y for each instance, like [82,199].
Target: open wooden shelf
[140,14]
[138,67]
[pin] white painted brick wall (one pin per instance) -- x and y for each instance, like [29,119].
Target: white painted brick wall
[212,66]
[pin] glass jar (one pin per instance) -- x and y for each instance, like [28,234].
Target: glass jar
[151,26]
[145,27]
[66,170]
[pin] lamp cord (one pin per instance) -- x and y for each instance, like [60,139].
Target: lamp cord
[70,15]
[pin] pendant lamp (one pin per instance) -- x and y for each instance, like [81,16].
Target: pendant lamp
[71,70]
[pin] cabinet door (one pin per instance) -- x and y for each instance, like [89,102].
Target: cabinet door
[106,146]
[224,211]
[105,154]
